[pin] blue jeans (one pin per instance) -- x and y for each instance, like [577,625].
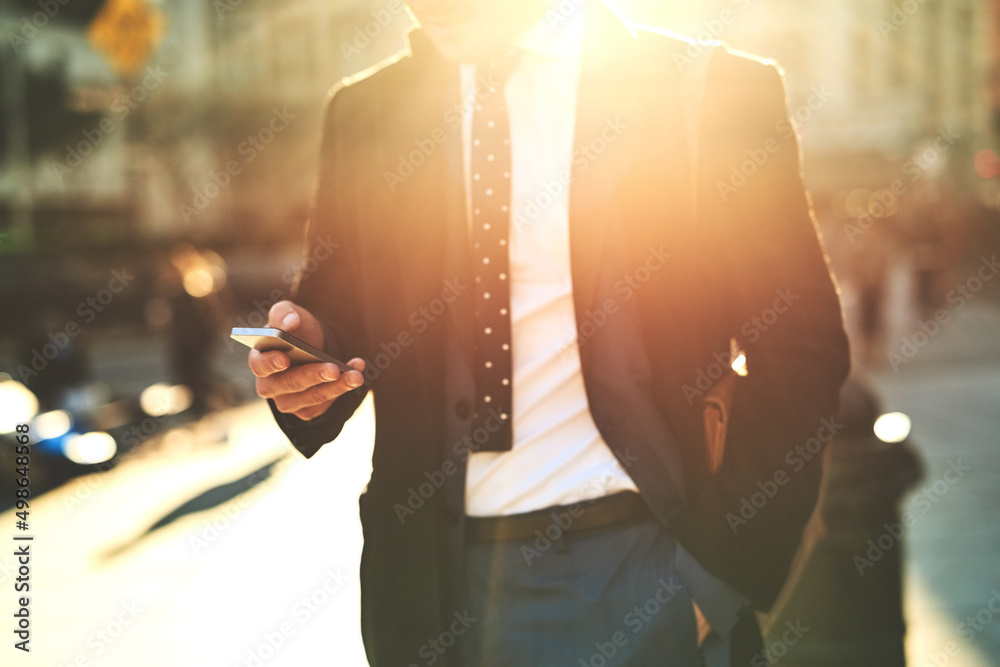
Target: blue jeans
[589,599]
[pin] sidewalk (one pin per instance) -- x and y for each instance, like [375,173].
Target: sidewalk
[951,390]
[266,578]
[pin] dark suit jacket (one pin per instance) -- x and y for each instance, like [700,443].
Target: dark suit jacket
[744,262]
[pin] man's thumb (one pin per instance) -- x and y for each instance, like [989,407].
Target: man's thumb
[283,315]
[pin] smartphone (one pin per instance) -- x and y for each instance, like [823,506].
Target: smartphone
[266,339]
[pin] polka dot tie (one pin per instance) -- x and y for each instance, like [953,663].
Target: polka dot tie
[490,184]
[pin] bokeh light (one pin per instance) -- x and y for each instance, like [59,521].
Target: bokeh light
[162,399]
[892,427]
[51,425]
[90,448]
[987,163]
[18,405]
[198,282]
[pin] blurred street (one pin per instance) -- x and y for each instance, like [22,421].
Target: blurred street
[273,566]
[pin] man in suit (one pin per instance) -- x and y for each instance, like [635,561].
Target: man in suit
[554,234]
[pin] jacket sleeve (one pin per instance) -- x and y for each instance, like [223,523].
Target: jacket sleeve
[784,311]
[328,284]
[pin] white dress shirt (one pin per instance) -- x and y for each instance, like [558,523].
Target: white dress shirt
[558,455]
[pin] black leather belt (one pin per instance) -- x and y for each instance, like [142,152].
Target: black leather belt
[617,509]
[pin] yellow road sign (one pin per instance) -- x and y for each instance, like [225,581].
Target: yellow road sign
[127,32]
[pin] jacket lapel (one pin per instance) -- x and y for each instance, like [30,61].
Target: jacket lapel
[429,231]
[607,110]
[630,158]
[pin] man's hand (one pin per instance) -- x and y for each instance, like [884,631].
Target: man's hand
[305,391]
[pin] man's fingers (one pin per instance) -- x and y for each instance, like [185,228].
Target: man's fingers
[320,395]
[308,414]
[305,391]
[265,364]
[297,379]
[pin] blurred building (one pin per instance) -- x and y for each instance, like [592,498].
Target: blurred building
[870,83]
[896,105]
[213,138]
[275,63]
[54,89]
[217,140]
